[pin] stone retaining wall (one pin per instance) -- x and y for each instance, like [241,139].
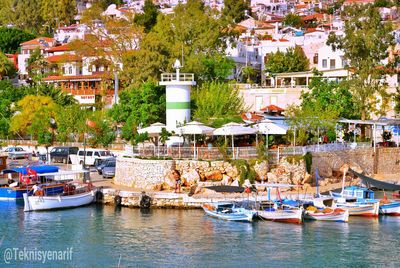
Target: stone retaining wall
[168,200]
[386,161]
[142,174]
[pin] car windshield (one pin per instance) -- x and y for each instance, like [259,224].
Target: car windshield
[105,153]
[110,164]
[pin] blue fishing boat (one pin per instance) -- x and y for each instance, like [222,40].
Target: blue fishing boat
[27,177]
[229,211]
[365,195]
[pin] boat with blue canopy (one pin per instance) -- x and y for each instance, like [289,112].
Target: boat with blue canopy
[21,180]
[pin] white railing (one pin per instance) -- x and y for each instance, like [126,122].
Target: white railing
[184,77]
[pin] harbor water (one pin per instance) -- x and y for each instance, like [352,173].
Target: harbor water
[105,236]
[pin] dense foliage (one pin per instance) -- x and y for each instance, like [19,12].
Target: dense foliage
[139,105]
[216,103]
[293,60]
[192,35]
[365,44]
[11,38]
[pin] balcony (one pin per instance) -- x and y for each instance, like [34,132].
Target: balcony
[171,77]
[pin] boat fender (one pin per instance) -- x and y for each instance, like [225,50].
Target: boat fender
[99,195]
[145,201]
[118,200]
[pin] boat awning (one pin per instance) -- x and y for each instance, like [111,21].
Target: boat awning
[64,175]
[275,185]
[39,169]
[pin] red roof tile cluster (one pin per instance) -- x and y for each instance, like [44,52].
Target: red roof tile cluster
[64,47]
[272,108]
[252,116]
[63,58]
[37,41]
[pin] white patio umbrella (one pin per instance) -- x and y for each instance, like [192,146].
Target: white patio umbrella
[267,127]
[234,129]
[154,130]
[196,128]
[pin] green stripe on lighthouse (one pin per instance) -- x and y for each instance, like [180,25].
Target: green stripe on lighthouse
[178,105]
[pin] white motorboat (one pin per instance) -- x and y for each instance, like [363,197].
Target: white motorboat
[66,200]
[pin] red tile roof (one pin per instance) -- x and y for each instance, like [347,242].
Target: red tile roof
[252,116]
[316,16]
[36,41]
[65,47]
[63,58]
[272,108]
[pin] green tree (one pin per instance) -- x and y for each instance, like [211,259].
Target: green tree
[6,16]
[293,20]
[139,105]
[37,66]
[28,15]
[59,97]
[33,115]
[102,133]
[149,16]
[216,67]
[11,38]
[71,121]
[310,120]
[331,94]
[293,60]
[248,72]
[9,96]
[396,99]
[194,32]
[366,43]
[215,101]
[6,67]
[234,11]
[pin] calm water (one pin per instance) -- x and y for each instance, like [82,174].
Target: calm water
[100,235]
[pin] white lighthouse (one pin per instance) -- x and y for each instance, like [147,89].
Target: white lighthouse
[178,87]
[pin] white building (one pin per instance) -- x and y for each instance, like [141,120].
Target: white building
[72,32]
[28,47]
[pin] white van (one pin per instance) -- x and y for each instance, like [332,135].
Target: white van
[92,155]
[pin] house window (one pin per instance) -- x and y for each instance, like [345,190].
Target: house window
[324,63]
[332,63]
[70,70]
[315,59]
[273,100]
[259,103]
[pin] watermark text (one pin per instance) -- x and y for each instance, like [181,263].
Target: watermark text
[24,254]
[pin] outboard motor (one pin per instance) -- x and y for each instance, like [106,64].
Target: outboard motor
[145,201]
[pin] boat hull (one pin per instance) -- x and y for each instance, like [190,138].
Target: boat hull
[33,203]
[288,216]
[336,215]
[391,209]
[239,214]
[364,210]
[10,193]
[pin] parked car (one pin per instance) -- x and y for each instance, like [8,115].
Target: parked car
[92,155]
[17,152]
[109,169]
[61,154]
[100,163]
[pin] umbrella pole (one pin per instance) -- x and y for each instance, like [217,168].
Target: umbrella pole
[194,143]
[233,148]
[256,139]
